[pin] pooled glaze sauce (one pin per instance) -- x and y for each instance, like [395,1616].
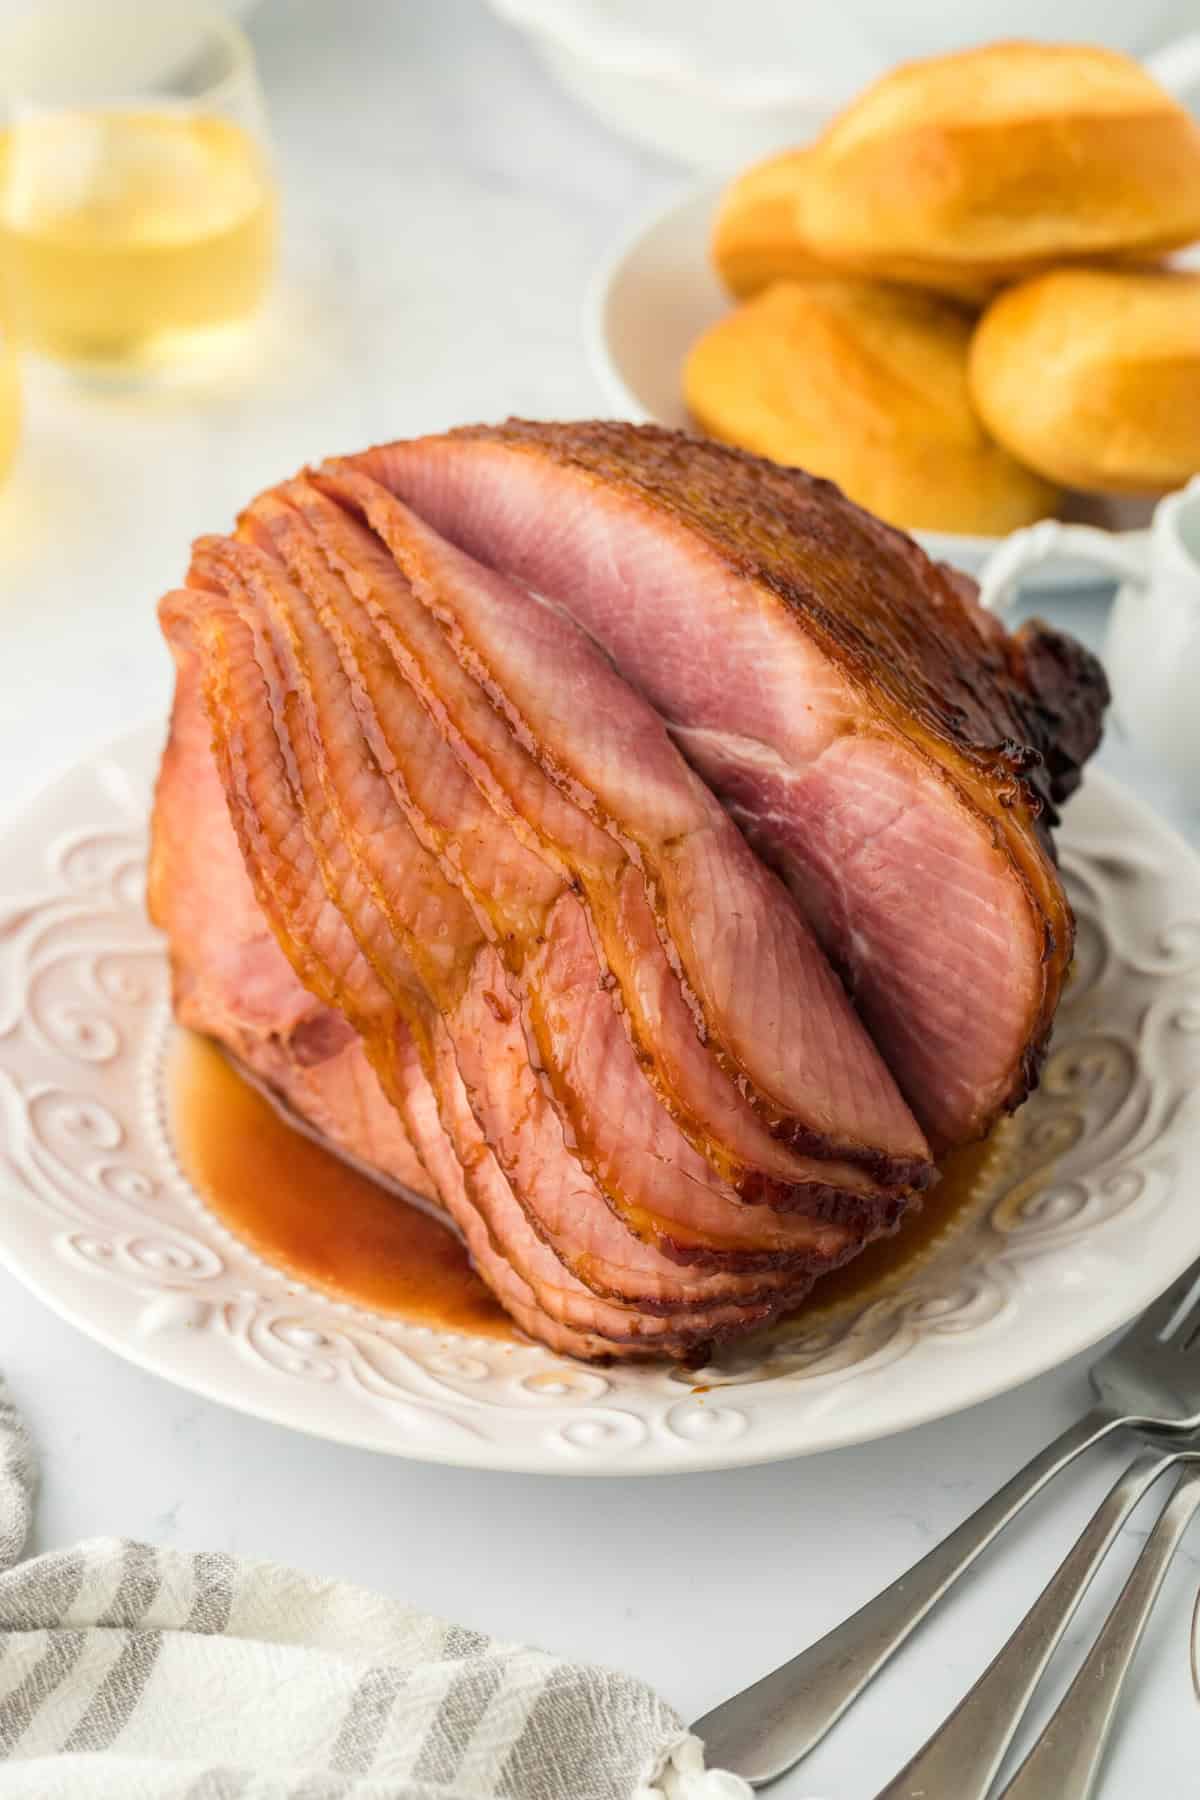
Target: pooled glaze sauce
[307,1212]
[884,1263]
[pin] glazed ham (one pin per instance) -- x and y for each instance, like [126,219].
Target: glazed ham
[632,849]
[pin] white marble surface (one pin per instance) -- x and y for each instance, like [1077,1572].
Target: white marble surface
[445,209]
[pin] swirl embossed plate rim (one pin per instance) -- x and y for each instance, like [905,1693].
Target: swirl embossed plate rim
[1083,1218]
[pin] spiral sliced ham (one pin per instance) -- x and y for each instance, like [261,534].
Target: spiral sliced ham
[440,856]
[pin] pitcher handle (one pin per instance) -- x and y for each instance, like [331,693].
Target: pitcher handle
[1025,550]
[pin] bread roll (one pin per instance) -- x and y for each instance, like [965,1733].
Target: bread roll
[1093,377]
[756,233]
[868,385]
[971,170]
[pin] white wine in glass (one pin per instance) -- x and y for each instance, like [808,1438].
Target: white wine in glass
[134,229]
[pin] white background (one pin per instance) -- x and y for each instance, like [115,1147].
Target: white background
[446,208]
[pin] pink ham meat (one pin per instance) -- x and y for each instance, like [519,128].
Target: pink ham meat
[434,870]
[895,762]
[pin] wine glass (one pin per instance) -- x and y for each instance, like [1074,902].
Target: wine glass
[138,215]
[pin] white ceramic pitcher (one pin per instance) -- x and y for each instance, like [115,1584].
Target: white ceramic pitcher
[1152,654]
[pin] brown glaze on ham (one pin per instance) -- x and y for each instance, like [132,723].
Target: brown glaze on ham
[433,867]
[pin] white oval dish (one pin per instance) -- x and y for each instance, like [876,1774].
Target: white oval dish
[656,296]
[1091,1213]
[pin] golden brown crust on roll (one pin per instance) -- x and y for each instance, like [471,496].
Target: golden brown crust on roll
[1093,376]
[867,385]
[756,233]
[965,171]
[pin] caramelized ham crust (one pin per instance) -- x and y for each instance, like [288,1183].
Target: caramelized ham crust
[438,855]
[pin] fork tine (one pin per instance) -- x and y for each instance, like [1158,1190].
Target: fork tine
[1163,1319]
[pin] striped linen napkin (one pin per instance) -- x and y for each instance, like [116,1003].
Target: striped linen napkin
[134,1673]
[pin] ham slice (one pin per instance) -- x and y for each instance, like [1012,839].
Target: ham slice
[440,861]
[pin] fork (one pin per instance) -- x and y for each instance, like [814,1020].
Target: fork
[963,1756]
[1064,1763]
[1148,1382]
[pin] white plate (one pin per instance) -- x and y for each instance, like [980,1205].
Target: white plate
[659,293]
[1094,1213]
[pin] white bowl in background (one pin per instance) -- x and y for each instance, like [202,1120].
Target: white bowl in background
[708,82]
[928,27]
[716,83]
[648,306]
